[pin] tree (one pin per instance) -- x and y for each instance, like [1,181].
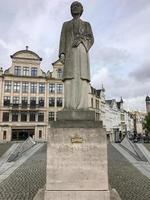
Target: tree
[146,124]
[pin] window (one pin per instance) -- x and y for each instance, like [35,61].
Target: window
[4,135]
[14,116]
[40,117]
[59,101]
[7,86]
[6,101]
[23,116]
[33,88]
[25,87]
[32,116]
[16,87]
[122,117]
[17,71]
[51,116]
[33,71]
[24,102]
[97,104]
[51,88]
[32,102]
[51,102]
[92,103]
[16,101]
[59,74]
[5,116]
[40,134]
[25,71]
[41,88]
[41,102]
[59,88]
[97,116]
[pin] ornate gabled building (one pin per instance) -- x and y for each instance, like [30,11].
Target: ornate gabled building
[29,98]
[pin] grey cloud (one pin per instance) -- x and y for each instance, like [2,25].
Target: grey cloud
[142,73]
[109,55]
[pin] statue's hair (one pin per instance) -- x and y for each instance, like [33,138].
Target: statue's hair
[79,4]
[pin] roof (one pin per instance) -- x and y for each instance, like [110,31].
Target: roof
[111,101]
[97,93]
[35,56]
[57,62]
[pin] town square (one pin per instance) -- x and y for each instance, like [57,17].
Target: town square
[74,100]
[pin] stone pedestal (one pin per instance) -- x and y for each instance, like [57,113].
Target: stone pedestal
[67,115]
[77,161]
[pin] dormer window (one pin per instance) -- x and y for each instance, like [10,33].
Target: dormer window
[59,74]
[17,71]
[33,71]
[25,71]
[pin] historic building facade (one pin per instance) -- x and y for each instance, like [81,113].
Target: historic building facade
[29,98]
[117,121]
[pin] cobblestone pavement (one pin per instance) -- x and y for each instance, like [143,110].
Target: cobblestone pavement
[125,178]
[27,179]
[4,147]
[147,145]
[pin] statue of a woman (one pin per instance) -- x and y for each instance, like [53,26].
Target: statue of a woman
[75,42]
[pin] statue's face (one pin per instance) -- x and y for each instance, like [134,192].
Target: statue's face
[76,8]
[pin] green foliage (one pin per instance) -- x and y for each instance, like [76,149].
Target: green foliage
[146,124]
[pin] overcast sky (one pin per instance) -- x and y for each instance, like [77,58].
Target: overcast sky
[120,56]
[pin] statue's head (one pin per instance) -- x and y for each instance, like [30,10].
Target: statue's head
[76,8]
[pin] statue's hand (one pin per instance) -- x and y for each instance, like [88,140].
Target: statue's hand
[62,58]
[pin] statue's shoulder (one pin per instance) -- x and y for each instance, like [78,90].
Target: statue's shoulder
[67,22]
[86,23]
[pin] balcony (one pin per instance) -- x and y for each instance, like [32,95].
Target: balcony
[7,103]
[24,104]
[15,105]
